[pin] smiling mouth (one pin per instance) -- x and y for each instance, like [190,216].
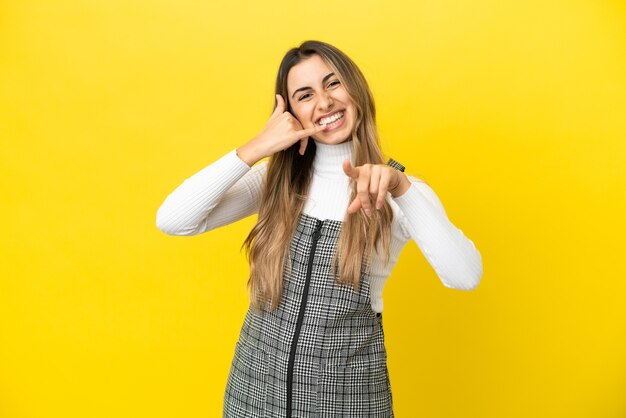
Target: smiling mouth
[331,119]
[336,124]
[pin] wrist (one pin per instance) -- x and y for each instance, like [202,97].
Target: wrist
[249,153]
[403,185]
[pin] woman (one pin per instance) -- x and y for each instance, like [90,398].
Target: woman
[332,221]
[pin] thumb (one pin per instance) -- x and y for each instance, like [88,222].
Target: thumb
[349,170]
[280,105]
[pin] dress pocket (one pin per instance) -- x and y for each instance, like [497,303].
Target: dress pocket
[361,389]
[246,388]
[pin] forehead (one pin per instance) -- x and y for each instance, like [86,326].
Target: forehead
[307,73]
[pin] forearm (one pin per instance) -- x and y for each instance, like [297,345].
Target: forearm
[187,210]
[453,256]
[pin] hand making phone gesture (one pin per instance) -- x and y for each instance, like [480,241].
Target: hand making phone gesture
[281,131]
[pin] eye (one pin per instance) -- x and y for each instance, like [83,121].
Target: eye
[308,94]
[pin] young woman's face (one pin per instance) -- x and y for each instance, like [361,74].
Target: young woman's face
[316,93]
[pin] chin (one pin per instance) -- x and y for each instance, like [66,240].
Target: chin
[332,141]
[335,137]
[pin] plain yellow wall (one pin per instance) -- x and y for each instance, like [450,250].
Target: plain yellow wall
[514,112]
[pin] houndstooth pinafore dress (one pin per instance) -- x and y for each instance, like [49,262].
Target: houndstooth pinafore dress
[321,353]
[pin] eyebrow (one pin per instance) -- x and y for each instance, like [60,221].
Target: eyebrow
[326,77]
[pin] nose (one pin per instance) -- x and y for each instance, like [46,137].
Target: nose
[326,101]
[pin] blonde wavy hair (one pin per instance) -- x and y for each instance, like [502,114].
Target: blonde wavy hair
[287,182]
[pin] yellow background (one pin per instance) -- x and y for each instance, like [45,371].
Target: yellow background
[515,112]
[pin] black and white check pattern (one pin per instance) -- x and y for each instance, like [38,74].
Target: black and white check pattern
[340,367]
[395,164]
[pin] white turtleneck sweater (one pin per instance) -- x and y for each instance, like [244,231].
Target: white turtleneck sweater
[228,190]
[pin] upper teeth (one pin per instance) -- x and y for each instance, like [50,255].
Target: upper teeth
[330,119]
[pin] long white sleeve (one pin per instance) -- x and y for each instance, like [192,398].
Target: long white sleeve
[221,193]
[453,256]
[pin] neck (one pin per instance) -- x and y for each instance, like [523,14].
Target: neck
[329,158]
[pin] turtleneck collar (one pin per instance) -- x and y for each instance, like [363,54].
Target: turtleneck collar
[329,158]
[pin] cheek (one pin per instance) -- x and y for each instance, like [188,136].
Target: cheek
[301,117]
[350,106]
[305,113]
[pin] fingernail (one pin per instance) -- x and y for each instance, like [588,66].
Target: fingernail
[378,206]
[368,212]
